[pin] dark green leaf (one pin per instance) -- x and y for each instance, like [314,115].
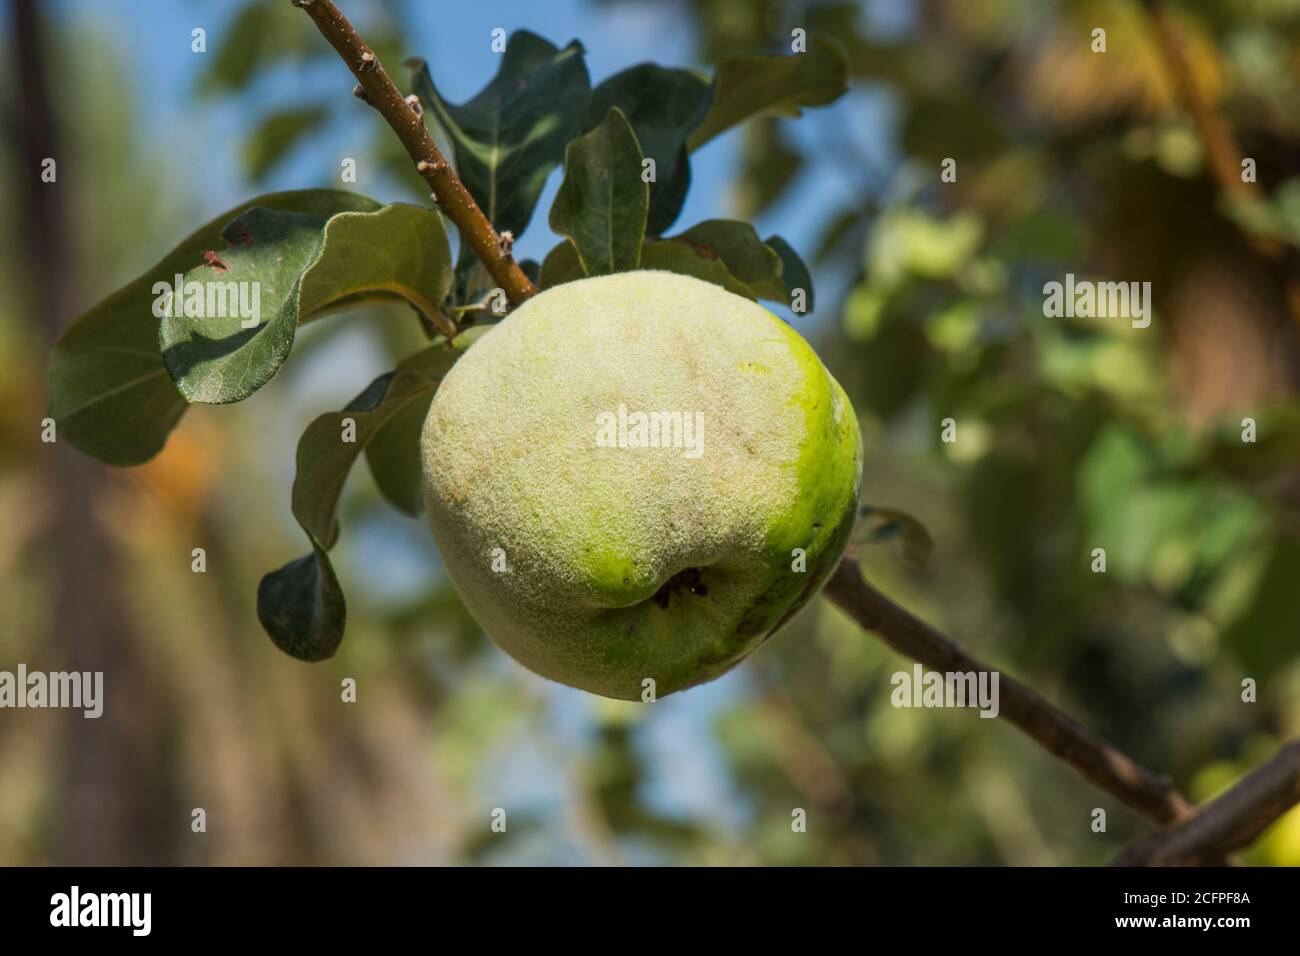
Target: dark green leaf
[664,106]
[563,265]
[393,453]
[508,138]
[684,258]
[302,265]
[602,203]
[749,86]
[394,458]
[324,458]
[470,278]
[794,275]
[109,388]
[745,255]
[301,605]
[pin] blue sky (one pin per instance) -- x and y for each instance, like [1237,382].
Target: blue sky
[204,138]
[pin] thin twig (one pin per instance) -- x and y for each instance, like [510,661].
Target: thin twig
[1224,155]
[1221,148]
[1152,795]
[450,193]
[1229,822]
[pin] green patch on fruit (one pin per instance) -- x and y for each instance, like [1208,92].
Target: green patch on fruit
[635,560]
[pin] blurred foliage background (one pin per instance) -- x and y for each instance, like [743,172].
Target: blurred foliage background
[1073,435]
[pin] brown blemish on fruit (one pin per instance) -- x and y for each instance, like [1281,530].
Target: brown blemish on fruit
[210,258]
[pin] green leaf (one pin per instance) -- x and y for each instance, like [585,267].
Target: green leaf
[684,258]
[470,279]
[297,266]
[301,604]
[602,203]
[749,86]
[777,269]
[393,456]
[393,453]
[508,138]
[664,106]
[747,257]
[563,265]
[211,354]
[109,389]
[794,275]
[399,251]
[276,136]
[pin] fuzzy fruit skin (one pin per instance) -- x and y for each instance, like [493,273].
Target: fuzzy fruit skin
[590,534]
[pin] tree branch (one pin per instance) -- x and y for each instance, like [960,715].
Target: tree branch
[1230,822]
[1224,155]
[407,121]
[1227,823]
[1221,148]
[1096,761]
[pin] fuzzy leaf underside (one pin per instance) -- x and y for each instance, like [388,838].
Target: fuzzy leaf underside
[298,266]
[110,391]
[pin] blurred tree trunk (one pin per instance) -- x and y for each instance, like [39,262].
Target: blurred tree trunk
[107,812]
